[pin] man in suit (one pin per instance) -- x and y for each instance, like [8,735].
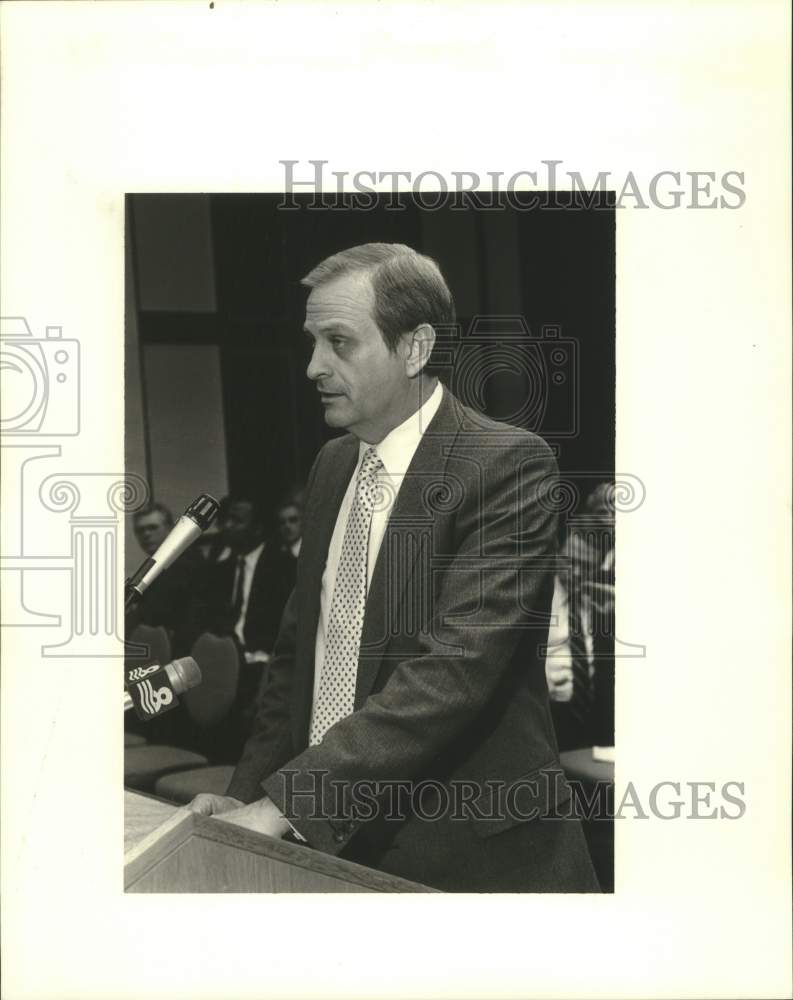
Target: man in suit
[580,661]
[405,724]
[290,527]
[282,554]
[242,595]
[236,598]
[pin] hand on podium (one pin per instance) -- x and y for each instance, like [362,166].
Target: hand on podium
[261,817]
[206,804]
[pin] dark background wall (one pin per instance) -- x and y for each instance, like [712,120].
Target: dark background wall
[219,395]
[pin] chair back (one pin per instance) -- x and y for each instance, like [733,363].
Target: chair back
[156,640]
[210,702]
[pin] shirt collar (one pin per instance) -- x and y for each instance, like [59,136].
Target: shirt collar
[253,556]
[398,447]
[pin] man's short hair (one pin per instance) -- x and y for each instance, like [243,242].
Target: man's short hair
[155,508]
[259,508]
[294,498]
[409,288]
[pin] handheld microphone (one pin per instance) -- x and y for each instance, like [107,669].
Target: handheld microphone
[152,690]
[195,520]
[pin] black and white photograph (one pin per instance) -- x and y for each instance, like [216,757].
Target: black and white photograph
[403,618]
[396,540]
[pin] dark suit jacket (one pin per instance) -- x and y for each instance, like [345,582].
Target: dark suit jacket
[273,581]
[451,686]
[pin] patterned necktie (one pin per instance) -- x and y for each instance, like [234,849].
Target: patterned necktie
[336,696]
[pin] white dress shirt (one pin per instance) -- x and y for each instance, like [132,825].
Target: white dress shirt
[396,452]
[248,568]
[559,657]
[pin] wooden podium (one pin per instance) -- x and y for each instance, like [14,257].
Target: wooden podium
[168,849]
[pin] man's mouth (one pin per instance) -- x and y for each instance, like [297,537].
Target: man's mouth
[326,396]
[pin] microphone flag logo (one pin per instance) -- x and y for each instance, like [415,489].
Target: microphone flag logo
[138,673]
[153,694]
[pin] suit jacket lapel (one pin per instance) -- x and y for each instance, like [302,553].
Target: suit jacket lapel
[392,606]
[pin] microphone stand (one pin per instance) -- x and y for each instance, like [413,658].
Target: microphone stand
[131,597]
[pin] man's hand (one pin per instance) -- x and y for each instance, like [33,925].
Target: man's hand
[213,805]
[560,679]
[261,817]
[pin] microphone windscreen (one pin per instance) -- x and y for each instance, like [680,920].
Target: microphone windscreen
[183,673]
[203,510]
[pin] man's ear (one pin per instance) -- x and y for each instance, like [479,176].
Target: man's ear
[421,341]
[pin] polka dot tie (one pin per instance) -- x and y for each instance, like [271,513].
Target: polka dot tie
[336,696]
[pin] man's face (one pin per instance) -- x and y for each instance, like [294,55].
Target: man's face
[289,524]
[241,531]
[151,530]
[362,385]
[600,506]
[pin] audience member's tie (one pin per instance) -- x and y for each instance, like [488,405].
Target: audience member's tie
[581,701]
[239,588]
[336,696]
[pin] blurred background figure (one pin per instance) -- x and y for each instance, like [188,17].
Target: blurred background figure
[290,525]
[169,600]
[151,526]
[600,536]
[246,589]
[234,601]
[282,558]
[579,665]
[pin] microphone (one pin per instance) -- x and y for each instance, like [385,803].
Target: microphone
[195,520]
[152,690]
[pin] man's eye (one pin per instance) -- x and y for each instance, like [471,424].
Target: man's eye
[338,342]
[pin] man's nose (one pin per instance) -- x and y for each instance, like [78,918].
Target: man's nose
[318,365]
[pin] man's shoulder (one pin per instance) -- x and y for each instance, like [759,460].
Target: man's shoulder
[498,437]
[187,568]
[218,569]
[331,460]
[337,449]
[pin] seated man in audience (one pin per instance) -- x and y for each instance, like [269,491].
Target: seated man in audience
[282,555]
[600,586]
[241,598]
[234,592]
[290,525]
[579,662]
